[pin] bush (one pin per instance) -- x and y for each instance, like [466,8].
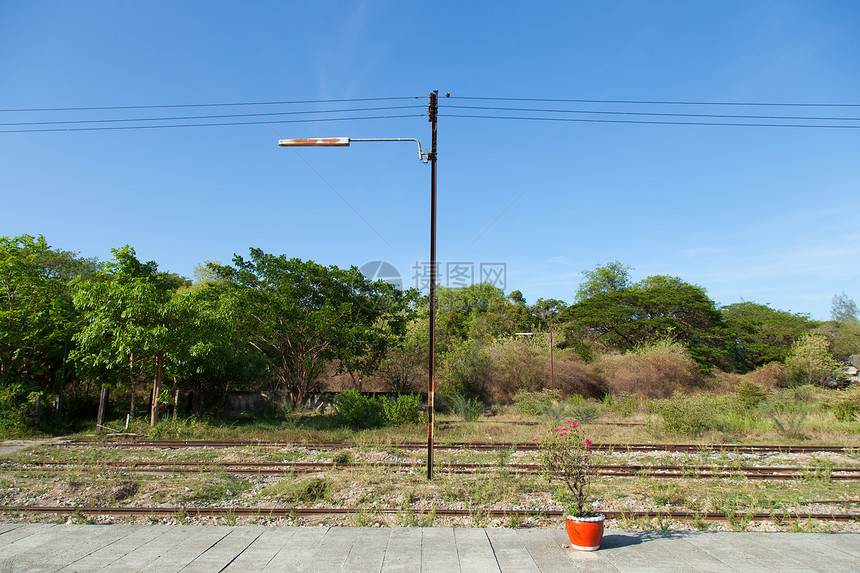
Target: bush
[465,370]
[751,394]
[847,406]
[621,405]
[689,417]
[403,410]
[655,371]
[771,375]
[532,403]
[466,407]
[516,365]
[358,410]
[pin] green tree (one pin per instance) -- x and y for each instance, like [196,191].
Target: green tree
[759,334]
[300,315]
[37,318]
[810,361]
[609,278]
[129,318]
[656,308]
[844,331]
[844,310]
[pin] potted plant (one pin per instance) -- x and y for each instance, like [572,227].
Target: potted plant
[565,454]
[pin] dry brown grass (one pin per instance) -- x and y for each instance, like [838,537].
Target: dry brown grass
[656,371]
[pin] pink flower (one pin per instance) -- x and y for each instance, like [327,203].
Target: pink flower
[574,425]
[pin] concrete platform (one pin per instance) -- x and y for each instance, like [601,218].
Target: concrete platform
[162,548]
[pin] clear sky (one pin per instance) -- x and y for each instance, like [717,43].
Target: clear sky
[762,214]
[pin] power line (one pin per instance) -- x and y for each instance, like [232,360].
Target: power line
[189,105]
[220,124]
[647,102]
[644,122]
[198,117]
[655,114]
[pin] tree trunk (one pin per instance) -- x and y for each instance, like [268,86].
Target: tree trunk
[37,411]
[156,384]
[175,403]
[100,417]
[62,379]
[131,385]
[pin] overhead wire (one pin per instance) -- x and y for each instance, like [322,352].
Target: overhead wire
[217,124]
[511,113]
[657,102]
[654,114]
[198,117]
[644,122]
[191,105]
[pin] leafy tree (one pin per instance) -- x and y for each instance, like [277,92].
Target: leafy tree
[759,334]
[300,315]
[609,278]
[844,331]
[653,309]
[128,318]
[810,361]
[843,310]
[37,318]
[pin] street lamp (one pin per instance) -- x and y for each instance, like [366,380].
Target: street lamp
[425,157]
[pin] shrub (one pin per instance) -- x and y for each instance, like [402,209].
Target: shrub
[621,405]
[466,407]
[771,375]
[516,365]
[655,371]
[810,361]
[847,406]
[751,394]
[582,410]
[531,403]
[465,370]
[358,410]
[689,417]
[403,410]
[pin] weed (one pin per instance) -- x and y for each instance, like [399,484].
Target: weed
[403,410]
[342,457]
[503,455]
[465,407]
[788,417]
[514,520]
[361,518]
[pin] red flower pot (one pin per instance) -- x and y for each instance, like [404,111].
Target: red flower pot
[585,533]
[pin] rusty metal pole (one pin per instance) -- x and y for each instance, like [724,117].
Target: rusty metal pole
[433,108]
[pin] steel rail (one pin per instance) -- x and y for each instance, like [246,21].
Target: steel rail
[610,470]
[303,511]
[734,448]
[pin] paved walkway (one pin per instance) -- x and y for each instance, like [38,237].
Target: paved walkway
[162,548]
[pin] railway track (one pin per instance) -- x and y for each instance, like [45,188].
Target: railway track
[611,470]
[479,446]
[272,512]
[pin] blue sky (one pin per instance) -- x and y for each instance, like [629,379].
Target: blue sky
[749,213]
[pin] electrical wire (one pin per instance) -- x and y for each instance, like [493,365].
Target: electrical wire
[644,122]
[188,105]
[655,114]
[198,117]
[219,124]
[646,102]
